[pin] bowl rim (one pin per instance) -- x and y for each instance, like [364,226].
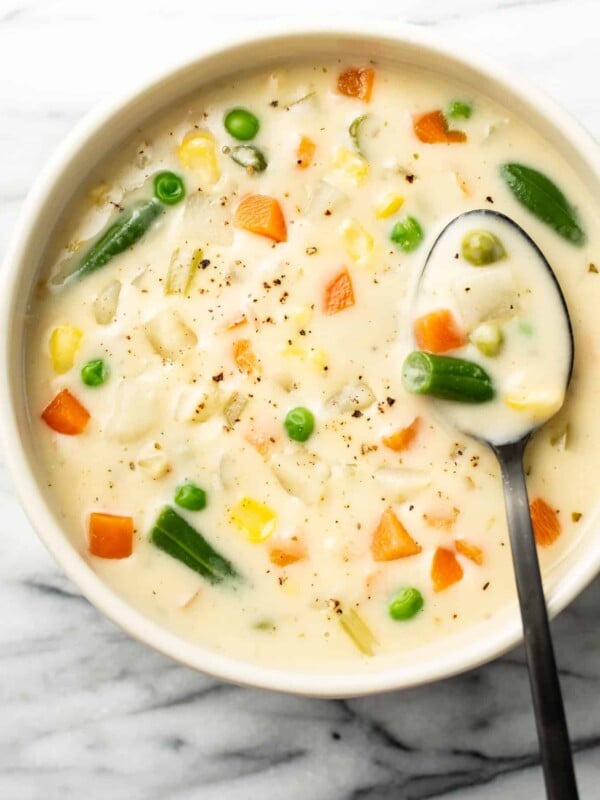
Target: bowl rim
[301,682]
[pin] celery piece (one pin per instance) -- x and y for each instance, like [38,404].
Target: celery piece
[357,629]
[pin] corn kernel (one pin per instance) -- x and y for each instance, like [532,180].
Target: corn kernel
[255,519]
[302,315]
[351,163]
[64,343]
[295,350]
[319,357]
[198,152]
[388,205]
[358,242]
[537,404]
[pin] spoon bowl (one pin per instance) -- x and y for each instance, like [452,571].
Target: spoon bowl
[491,273]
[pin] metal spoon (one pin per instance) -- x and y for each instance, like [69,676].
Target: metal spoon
[551,723]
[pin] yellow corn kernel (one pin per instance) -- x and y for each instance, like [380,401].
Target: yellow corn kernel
[357,241]
[388,205]
[302,315]
[295,350]
[198,152]
[538,404]
[64,343]
[255,519]
[99,194]
[318,357]
[351,163]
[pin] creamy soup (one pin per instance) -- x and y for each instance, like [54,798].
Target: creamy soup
[215,363]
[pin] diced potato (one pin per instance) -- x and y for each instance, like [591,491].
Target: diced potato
[197,403]
[135,411]
[388,205]
[107,302]
[325,199]
[198,152]
[537,403]
[401,484]
[358,242]
[352,397]
[302,474]
[64,343]
[168,334]
[210,219]
[485,294]
[255,519]
[234,406]
[155,465]
[182,268]
[352,164]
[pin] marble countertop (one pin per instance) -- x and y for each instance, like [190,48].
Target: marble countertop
[86,711]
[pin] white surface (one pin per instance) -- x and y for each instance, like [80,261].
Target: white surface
[72,682]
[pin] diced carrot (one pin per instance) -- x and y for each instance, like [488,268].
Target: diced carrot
[469,550]
[339,293]
[402,438]
[65,414]
[244,356]
[356,82]
[237,322]
[262,442]
[445,569]
[286,552]
[305,152]
[391,540]
[438,332]
[432,128]
[442,521]
[111,536]
[546,525]
[261,214]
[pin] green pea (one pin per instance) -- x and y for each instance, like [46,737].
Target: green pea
[460,109]
[250,157]
[241,124]
[406,603]
[407,233]
[190,496]
[299,424]
[94,373]
[481,248]
[169,188]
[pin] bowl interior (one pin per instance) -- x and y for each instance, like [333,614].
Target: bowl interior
[90,143]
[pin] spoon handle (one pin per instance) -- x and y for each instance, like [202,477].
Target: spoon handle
[555,748]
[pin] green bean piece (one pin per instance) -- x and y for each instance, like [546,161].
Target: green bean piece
[250,157]
[190,496]
[94,373]
[481,248]
[169,188]
[128,228]
[407,233]
[172,534]
[354,131]
[241,124]
[460,109]
[406,604]
[544,199]
[299,424]
[446,378]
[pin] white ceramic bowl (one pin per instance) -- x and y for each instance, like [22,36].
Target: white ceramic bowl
[92,139]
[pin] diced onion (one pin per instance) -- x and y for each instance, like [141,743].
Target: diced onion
[106,303]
